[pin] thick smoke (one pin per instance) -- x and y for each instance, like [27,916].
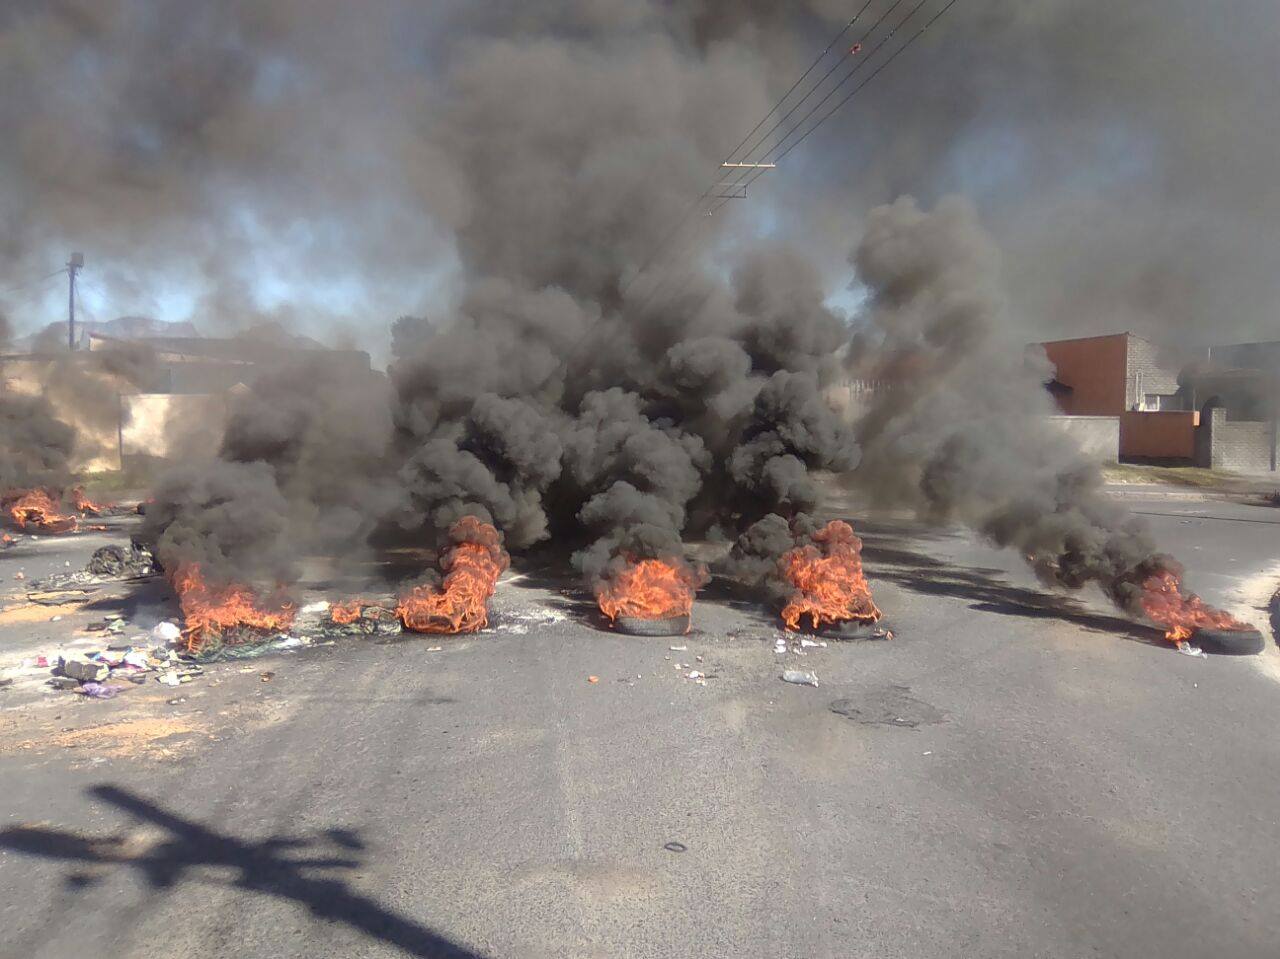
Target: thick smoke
[963,437]
[35,446]
[557,399]
[522,161]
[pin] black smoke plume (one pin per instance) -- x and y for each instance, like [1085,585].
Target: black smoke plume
[544,150]
[964,435]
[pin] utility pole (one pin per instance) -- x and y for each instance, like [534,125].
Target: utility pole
[75,263]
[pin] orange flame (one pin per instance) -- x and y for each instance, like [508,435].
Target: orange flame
[84,505]
[472,567]
[650,589]
[346,613]
[36,509]
[1181,613]
[209,610]
[827,575]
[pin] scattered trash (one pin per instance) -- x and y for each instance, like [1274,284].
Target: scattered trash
[267,676]
[19,575]
[100,691]
[320,607]
[809,643]
[64,682]
[289,642]
[165,633]
[177,701]
[434,649]
[780,645]
[676,847]
[593,679]
[54,619]
[168,678]
[678,649]
[78,666]
[1188,650]
[799,677]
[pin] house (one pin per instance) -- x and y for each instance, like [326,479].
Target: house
[135,398]
[1220,412]
[1112,374]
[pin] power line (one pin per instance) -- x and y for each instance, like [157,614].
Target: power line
[697,201]
[28,283]
[830,113]
[817,86]
[816,61]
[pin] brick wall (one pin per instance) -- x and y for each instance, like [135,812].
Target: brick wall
[1158,436]
[1146,371]
[1094,368]
[1242,446]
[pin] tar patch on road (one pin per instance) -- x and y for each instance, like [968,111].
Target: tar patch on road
[888,706]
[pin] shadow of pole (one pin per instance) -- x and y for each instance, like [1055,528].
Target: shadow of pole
[259,867]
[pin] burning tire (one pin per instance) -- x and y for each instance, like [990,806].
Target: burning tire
[1229,642]
[852,631]
[633,626]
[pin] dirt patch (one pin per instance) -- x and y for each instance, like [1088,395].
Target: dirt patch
[35,612]
[151,738]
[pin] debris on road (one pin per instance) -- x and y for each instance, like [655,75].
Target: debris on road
[100,691]
[1188,650]
[593,679]
[799,677]
[80,667]
[165,633]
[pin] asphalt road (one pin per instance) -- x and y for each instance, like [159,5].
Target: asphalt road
[1016,774]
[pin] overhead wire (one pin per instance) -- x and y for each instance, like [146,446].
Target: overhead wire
[817,86]
[756,173]
[830,113]
[33,282]
[697,201]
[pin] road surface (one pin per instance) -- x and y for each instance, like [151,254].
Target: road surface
[1016,774]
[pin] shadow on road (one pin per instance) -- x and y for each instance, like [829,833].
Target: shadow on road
[269,867]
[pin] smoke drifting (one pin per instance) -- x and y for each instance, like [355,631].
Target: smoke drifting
[964,439]
[35,446]
[519,162]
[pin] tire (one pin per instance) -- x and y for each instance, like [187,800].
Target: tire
[1229,642]
[674,626]
[852,632]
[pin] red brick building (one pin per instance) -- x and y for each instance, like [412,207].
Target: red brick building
[1113,374]
[1128,377]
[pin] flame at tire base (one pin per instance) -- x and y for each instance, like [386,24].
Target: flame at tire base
[1181,614]
[650,589]
[460,604]
[829,585]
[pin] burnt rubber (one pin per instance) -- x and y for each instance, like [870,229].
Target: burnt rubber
[850,631]
[632,626]
[1229,642]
